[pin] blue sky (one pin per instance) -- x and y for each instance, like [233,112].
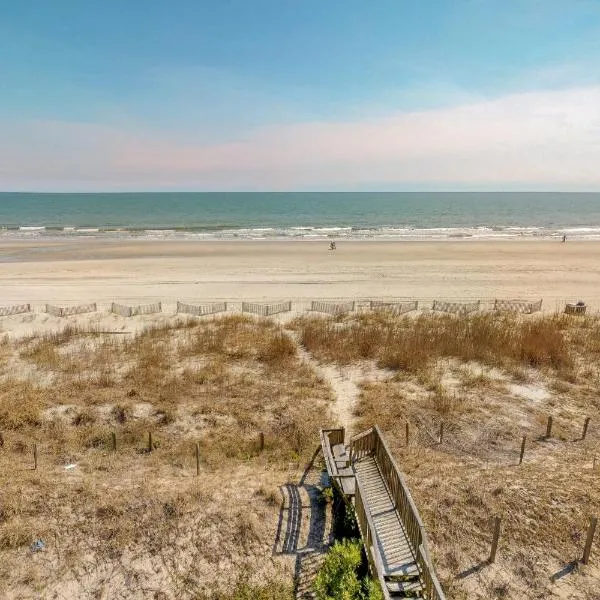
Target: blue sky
[327,94]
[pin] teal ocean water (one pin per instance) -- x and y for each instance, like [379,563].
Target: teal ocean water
[302,215]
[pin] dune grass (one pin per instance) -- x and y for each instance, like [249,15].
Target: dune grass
[218,383]
[408,343]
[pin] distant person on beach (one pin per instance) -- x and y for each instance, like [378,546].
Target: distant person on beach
[564,239]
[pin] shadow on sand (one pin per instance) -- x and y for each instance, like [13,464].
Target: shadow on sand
[305,527]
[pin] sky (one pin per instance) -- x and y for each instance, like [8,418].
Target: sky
[299,95]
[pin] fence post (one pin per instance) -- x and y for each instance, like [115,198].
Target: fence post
[589,540]
[407,434]
[35,457]
[585,428]
[261,441]
[197,459]
[549,427]
[149,441]
[522,449]
[113,437]
[495,539]
[441,439]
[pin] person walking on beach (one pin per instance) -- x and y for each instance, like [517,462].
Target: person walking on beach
[564,238]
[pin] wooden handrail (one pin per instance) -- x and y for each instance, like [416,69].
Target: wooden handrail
[359,436]
[433,589]
[369,535]
[372,442]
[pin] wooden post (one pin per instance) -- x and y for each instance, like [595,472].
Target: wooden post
[495,539]
[522,449]
[585,428]
[113,437]
[35,457]
[149,441]
[441,439]
[549,427]
[589,540]
[261,441]
[197,459]
[407,433]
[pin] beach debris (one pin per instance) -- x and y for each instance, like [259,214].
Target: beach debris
[70,466]
[37,546]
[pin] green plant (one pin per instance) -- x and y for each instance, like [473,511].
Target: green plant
[327,494]
[338,578]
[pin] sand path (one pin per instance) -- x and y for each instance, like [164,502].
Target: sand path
[343,383]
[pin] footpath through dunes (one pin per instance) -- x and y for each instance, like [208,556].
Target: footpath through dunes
[343,383]
[368,479]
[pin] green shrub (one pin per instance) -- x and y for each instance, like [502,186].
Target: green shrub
[338,578]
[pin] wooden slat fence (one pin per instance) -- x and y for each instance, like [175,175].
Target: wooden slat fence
[372,442]
[333,308]
[67,311]
[17,309]
[199,310]
[517,306]
[147,309]
[456,308]
[130,311]
[121,309]
[266,309]
[396,308]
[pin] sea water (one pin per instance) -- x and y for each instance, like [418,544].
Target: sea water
[303,216]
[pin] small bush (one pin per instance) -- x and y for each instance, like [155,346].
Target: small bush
[338,578]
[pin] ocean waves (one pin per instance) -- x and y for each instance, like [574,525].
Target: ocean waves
[229,233]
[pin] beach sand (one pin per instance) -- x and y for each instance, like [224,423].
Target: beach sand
[86,270]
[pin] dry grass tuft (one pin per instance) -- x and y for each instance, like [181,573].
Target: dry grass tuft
[407,343]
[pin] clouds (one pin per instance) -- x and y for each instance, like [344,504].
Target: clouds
[538,139]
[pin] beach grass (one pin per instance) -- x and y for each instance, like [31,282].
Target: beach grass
[235,386]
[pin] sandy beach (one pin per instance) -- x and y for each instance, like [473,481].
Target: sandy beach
[88,270]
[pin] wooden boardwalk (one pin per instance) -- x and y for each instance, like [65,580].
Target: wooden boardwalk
[394,536]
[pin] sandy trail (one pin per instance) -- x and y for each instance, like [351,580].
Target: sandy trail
[343,383]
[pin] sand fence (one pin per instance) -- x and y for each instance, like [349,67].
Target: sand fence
[67,311]
[395,308]
[332,308]
[517,306]
[131,311]
[267,309]
[456,308]
[198,310]
[16,309]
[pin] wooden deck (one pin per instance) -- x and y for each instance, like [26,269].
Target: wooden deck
[394,537]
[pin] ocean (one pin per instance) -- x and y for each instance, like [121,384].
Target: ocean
[298,216]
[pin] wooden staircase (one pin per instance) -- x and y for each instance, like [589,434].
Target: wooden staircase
[368,478]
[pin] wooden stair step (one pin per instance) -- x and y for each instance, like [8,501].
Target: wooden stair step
[404,589]
[402,571]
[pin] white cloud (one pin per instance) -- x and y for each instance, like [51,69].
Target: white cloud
[545,139]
